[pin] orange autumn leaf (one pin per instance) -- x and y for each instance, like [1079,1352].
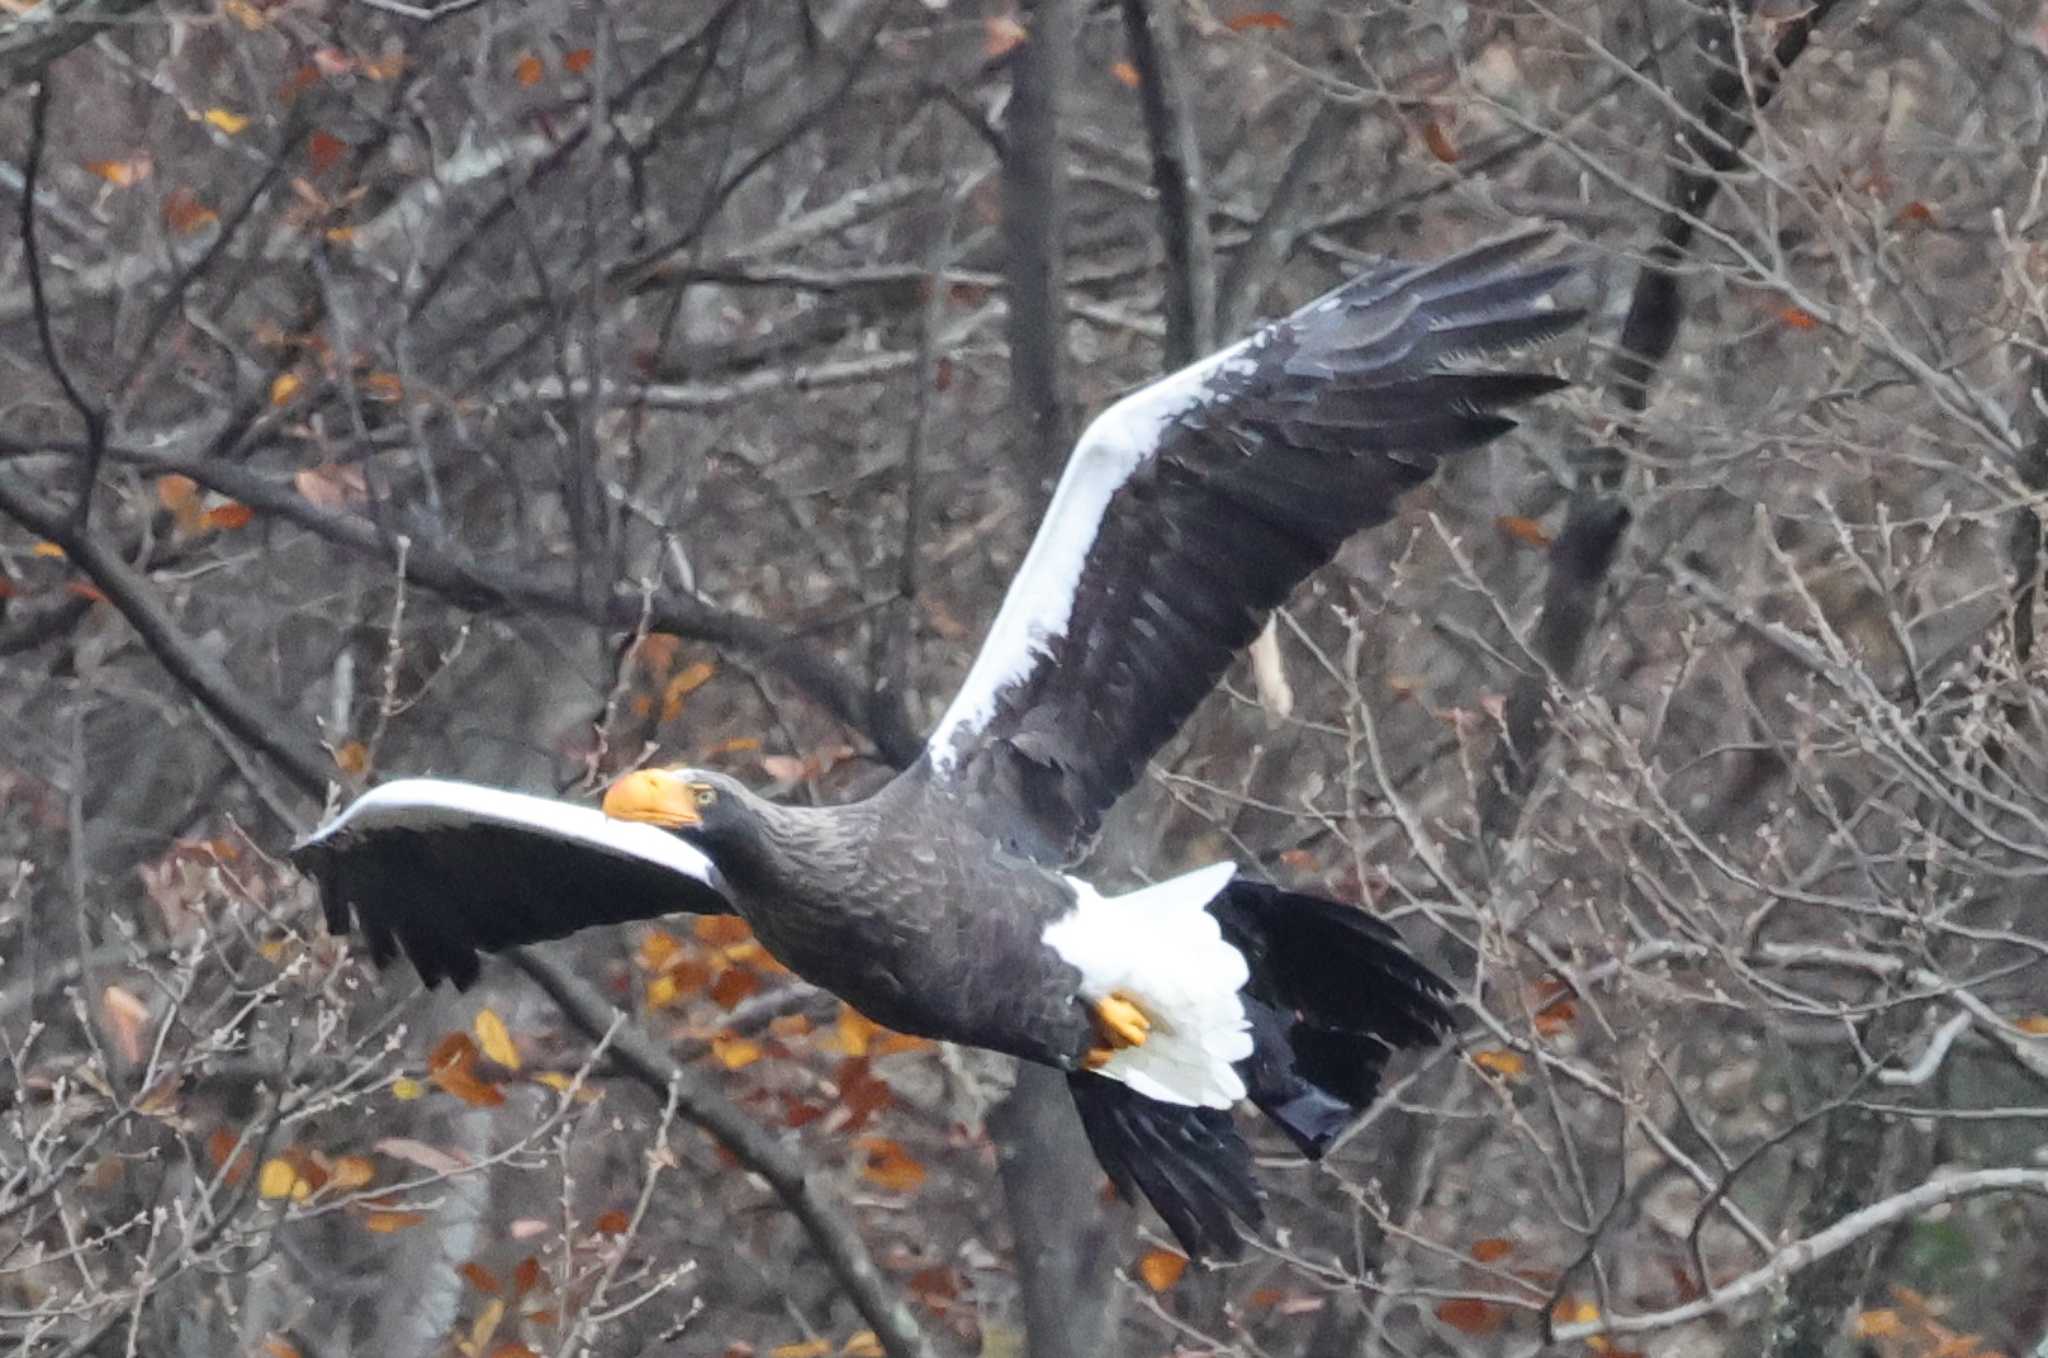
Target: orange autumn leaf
[1915,213]
[2033,1025]
[1469,1315]
[577,60]
[1574,1311]
[511,1348]
[657,950]
[495,1039]
[184,213]
[1557,1016]
[1126,75]
[352,1172]
[529,71]
[886,1164]
[692,677]
[285,386]
[384,1221]
[1261,18]
[735,745]
[1797,318]
[722,931]
[226,120]
[803,1348]
[856,1030]
[1498,1061]
[1491,1248]
[382,386]
[277,1346]
[1161,1268]
[1527,532]
[352,757]
[1001,33]
[225,518]
[122,174]
[47,549]
[80,589]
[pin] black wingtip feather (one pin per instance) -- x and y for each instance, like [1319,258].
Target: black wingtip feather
[1333,994]
[1190,1163]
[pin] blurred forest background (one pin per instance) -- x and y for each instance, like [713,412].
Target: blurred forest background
[513,390]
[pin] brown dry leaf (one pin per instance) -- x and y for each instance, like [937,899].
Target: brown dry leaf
[1469,1315]
[1491,1248]
[277,1346]
[890,1166]
[245,14]
[577,60]
[1126,75]
[184,213]
[332,487]
[528,71]
[1497,1061]
[123,174]
[385,1220]
[495,1039]
[481,1278]
[1262,18]
[736,745]
[1557,1016]
[512,1348]
[226,120]
[324,151]
[352,757]
[1526,532]
[733,985]
[1161,1268]
[128,1020]
[1000,33]
[383,386]
[735,1052]
[613,1221]
[2033,1025]
[1437,138]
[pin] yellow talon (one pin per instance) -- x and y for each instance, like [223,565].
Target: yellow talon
[1121,1023]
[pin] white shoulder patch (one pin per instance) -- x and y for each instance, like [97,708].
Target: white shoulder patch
[1040,600]
[1160,948]
[445,804]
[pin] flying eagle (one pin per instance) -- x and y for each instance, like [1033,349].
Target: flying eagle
[939,906]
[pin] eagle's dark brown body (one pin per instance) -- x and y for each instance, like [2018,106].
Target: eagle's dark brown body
[874,901]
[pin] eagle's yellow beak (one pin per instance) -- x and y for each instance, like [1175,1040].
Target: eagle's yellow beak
[657,796]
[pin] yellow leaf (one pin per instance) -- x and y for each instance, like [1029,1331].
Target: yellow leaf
[226,120]
[283,387]
[277,1179]
[1878,1324]
[405,1088]
[856,1031]
[492,1036]
[662,991]
[2033,1025]
[556,1080]
[1494,1060]
[47,549]
[385,1222]
[863,1344]
[1574,1311]
[245,14]
[806,1348]
[1161,1269]
[735,1052]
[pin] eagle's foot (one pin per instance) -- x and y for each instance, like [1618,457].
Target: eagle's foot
[1120,1023]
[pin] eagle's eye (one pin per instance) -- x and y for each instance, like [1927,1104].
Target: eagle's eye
[706,794]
